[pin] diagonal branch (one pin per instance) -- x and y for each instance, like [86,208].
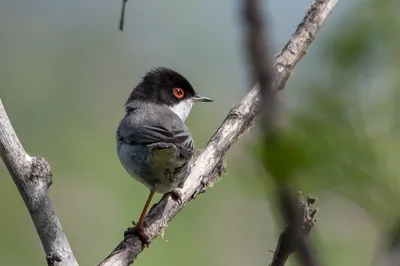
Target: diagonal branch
[32,176]
[209,164]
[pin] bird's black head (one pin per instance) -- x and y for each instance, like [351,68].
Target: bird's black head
[164,86]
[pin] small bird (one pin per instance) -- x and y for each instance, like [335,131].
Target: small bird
[153,143]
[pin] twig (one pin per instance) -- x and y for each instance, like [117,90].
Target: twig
[286,246]
[259,56]
[296,236]
[293,238]
[208,166]
[389,250]
[122,18]
[32,176]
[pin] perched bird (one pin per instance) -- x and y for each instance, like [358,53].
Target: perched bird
[153,143]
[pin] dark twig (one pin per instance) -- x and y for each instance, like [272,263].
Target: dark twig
[390,251]
[259,56]
[299,220]
[122,18]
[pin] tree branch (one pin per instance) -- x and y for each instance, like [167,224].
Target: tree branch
[122,16]
[208,165]
[32,176]
[259,55]
[300,218]
[286,246]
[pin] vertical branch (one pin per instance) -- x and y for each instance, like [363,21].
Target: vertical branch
[286,245]
[259,56]
[32,176]
[294,236]
[122,18]
[300,218]
[390,251]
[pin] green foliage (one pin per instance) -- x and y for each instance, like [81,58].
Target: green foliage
[350,45]
[282,156]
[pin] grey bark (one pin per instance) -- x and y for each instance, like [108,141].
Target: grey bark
[32,176]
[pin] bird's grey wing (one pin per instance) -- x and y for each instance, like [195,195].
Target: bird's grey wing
[156,133]
[184,141]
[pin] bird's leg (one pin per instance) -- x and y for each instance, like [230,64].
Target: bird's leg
[138,229]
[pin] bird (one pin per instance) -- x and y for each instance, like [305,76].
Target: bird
[154,145]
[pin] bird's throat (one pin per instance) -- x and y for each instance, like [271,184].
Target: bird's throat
[182,109]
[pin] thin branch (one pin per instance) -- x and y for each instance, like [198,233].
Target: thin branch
[32,176]
[122,17]
[208,165]
[294,236]
[286,246]
[259,56]
[389,250]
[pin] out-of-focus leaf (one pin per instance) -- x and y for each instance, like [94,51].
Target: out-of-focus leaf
[282,157]
[349,47]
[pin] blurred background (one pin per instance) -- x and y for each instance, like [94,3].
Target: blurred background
[66,71]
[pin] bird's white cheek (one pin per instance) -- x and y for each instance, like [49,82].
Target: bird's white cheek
[182,109]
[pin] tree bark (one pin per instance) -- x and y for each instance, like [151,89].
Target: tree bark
[32,176]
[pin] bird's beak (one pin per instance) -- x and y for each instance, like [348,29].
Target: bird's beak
[198,98]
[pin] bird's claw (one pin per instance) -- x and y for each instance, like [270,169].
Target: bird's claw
[176,195]
[139,232]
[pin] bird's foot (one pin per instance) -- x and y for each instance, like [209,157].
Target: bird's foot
[176,195]
[139,232]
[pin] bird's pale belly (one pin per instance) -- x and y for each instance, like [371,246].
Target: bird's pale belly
[160,171]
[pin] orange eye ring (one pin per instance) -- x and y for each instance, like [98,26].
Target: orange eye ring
[178,93]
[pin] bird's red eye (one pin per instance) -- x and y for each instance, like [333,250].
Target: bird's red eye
[178,93]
